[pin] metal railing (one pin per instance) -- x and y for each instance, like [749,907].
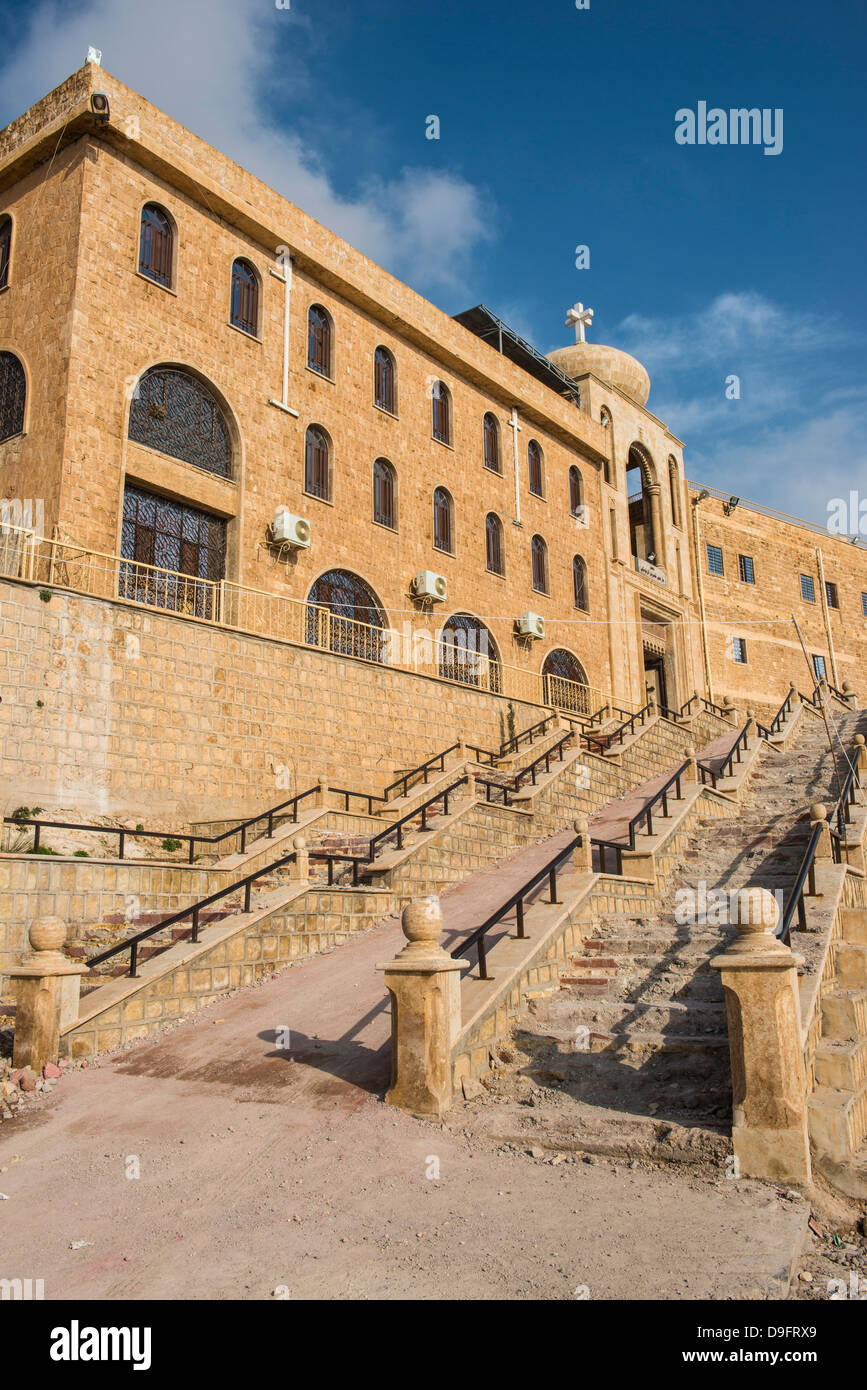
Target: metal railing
[661,797]
[779,719]
[726,767]
[65,564]
[510,786]
[805,882]
[624,730]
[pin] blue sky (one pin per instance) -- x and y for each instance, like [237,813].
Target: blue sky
[557,129]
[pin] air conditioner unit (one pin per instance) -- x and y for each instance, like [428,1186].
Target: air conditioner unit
[531,625]
[429,585]
[289,529]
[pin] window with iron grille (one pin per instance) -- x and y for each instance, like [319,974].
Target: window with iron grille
[441,413]
[539,553]
[579,583]
[356,620]
[714,560]
[819,667]
[316,464]
[442,507]
[468,653]
[808,589]
[746,570]
[383,379]
[534,460]
[13,395]
[864,604]
[319,340]
[245,298]
[5,250]
[832,598]
[163,541]
[576,492]
[739,650]
[494,543]
[175,412]
[492,443]
[384,510]
[156,245]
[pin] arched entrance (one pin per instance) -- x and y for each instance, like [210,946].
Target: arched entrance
[344,615]
[564,682]
[468,653]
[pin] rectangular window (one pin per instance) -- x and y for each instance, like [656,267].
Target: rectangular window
[819,667]
[745,568]
[864,604]
[175,554]
[808,588]
[831,596]
[714,560]
[739,650]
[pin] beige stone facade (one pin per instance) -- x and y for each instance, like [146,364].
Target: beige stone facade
[218,709]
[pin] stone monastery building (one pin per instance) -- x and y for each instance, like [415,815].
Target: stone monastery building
[270,513]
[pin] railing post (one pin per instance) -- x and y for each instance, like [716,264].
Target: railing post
[760,977]
[730,709]
[322,792]
[582,854]
[424,984]
[302,859]
[690,773]
[519,919]
[46,986]
[818,820]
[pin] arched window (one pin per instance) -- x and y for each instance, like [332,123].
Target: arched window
[565,682]
[317,460]
[576,492]
[156,245]
[175,412]
[674,488]
[579,583]
[540,565]
[5,250]
[468,653]
[245,297]
[492,443]
[319,340]
[384,494]
[13,395]
[345,616]
[605,420]
[494,543]
[443,518]
[534,459]
[441,412]
[383,379]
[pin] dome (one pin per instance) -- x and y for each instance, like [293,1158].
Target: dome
[610,364]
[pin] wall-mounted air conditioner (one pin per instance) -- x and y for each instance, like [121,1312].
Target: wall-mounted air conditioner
[429,585]
[531,625]
[290,530]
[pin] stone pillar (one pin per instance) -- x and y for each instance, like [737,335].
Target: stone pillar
[860,757]
[47,985]
[848,693]
[322,793]
[769,1083]
[818,814]
[425,988]
[730,709]
[658,547]
[471,786]
[582,855]
[690,755]
[302,859]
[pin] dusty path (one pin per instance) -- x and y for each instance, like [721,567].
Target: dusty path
[263,1170]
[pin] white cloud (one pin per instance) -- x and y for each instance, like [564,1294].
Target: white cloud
[215,67]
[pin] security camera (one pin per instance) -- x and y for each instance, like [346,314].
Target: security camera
[100,108]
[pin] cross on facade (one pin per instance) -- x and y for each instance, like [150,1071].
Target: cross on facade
[581,318]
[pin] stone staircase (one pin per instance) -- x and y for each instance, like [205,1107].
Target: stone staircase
[637,1027]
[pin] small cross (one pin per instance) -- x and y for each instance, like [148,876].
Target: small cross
[581,318]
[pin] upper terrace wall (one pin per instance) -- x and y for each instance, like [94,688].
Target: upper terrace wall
[144,714]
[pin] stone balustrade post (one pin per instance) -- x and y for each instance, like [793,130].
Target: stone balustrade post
[818,817]
[322,792]
[769,1083]
[47,987]
[690,756]
[849,695]
[424,983]
[582,855]
[302,860]
[730,709]
[860,758]
[471,786]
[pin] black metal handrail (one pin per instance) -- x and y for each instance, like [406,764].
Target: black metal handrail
[549,871]
[646,813]
[396,827]
[779,719]
[402,783]
[715,709]
[617,735]
[513,744]
[840,812]
[512,785]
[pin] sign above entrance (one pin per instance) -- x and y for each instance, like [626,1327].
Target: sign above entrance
[650,571]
